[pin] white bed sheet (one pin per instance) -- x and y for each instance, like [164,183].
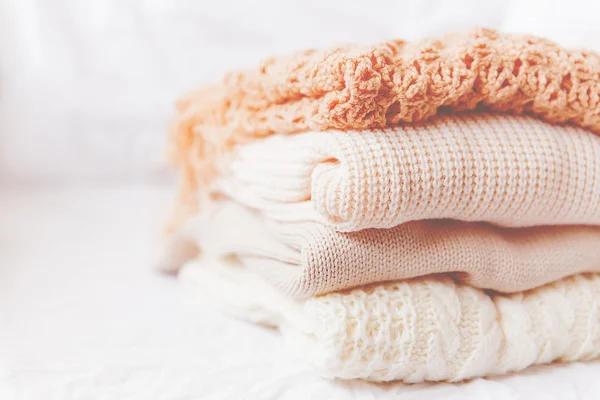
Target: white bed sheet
[84,316]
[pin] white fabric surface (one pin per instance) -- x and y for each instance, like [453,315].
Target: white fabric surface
[91,84]
[84,316]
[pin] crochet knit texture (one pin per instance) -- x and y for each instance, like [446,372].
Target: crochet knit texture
[420,330]
[356,87]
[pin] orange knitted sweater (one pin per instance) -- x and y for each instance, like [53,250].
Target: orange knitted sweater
[354,87]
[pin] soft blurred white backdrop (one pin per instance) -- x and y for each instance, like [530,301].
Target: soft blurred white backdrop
[87,87]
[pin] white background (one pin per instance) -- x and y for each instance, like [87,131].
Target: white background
[86,91]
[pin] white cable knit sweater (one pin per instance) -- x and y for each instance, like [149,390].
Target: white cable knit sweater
[419,330]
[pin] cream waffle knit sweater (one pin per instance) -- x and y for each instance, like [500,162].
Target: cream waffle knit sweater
[415,331]
[511,171]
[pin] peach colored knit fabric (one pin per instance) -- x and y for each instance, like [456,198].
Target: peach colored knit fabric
[355,87]
[512,171]
[307,259]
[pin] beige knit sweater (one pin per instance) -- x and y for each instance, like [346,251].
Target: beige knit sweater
[304,259]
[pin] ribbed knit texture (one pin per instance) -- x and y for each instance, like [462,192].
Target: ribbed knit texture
[307,259]
[369,87]
[512,171]
[420,330]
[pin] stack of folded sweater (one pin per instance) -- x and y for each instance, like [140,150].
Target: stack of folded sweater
[409,211]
